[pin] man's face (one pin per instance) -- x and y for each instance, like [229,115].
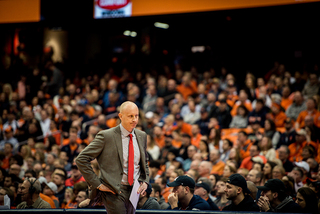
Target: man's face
[253,151]
[252,176]
[23,190]
[129,117]
[220,186]
[191,151]
[200,191]
[47,191]
[202,169]
[241,137]
[57,180]
[7,182]
[231,191]
[180,191]
[15,169]
[282,153]
[296,175]
[268,194]
[81,197]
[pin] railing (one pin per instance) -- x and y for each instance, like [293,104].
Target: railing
[98,211]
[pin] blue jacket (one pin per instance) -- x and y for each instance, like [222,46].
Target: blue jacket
[196,203]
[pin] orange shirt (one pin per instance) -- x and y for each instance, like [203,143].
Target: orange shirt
[247,163]
[47,199]
[286,102]
[218,168]
[296,150]
[160,141]
[315,114]
[278,119]
[89,111]
[245,149]
[186,91]
[176,144]
[185,128]
[67,141]
[165,193]
[196,140]
[247,104]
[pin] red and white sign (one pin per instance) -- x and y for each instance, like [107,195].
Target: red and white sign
[112,8]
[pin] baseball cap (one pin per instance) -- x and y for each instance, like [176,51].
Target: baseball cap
[275,185]
[301,132]
[149,115]
[204,186]
[53,187]
[182,180]
[238,180]
[42,180]
[149,189]
[303,165]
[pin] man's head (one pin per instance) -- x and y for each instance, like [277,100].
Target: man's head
[183,186]
[156,191]
[283,152]
[273,189]
[202,189]
[15,169]
[129,115]
[301,135]
[254,176]
[236,187]
[205,168]
[214,155]
[242,136]
[191,150]
[50,189]
[221,186]
[59,179]
[81,196]
[254,150]
[28,188]
[297,174]
[288,123]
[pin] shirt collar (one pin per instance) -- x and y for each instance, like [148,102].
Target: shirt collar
[125,131]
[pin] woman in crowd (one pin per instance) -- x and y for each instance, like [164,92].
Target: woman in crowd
[228,170]
[307,200]
[266,148]
[267,172]
[278,172]
[271,132]
[214,139]
[152,148]
[241,118]
[204,149]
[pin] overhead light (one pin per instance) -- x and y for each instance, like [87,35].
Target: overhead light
[195,49]
[127,33]
[161,25]
[133,34]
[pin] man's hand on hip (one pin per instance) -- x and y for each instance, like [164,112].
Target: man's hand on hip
[104,188]
[142,188]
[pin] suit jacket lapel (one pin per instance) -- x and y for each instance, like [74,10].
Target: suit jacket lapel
[139,140]
[118,142]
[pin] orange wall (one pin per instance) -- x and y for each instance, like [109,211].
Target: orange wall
[15,11]
[157,7]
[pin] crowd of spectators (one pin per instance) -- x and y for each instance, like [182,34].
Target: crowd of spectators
[202,124]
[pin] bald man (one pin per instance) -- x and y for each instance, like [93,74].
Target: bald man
[114,149]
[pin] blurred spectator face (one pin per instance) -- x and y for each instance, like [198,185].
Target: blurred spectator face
[313,79]
[308,121]
[310,104]
[63,156]
[57,180]
[254,151]
[267,169]
[8,148]
[297,97]
[220,187]
[195,130]
[252,176]
[15,169]
[169,170]
[214,155]
[81,196]
[7,182]
[173,176]
[282,151]
[50,159]
[171,85]
[191,151]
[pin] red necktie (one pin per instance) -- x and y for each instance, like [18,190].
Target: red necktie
[130,161]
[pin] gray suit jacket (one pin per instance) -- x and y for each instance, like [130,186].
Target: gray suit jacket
[107,148]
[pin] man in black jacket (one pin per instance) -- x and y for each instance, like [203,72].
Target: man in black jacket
[182,196]
[274,199]
[238,192]
[203,190]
